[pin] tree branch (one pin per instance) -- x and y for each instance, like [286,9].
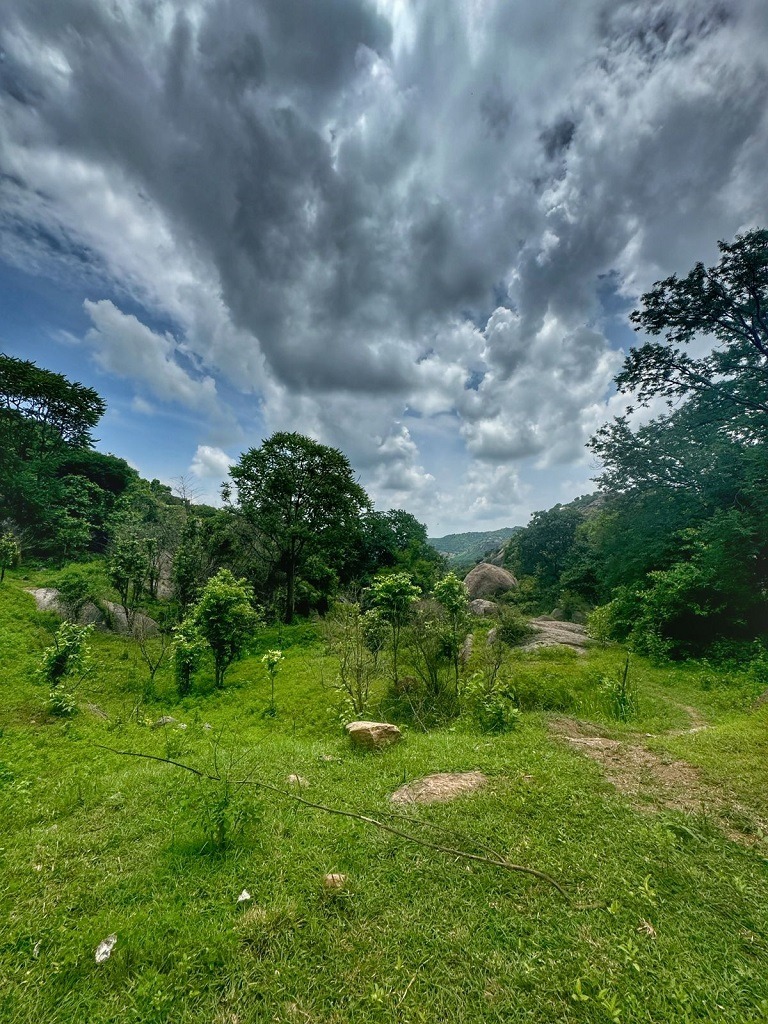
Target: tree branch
[495,860]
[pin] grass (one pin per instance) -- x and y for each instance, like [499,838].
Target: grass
[669,920]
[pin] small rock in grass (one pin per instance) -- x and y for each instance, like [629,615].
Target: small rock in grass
[373,735]
[104,948]
[297,780]
[207,726]
[334,882]
[244,896]
[165,720]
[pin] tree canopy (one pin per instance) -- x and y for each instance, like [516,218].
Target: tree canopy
[300,499]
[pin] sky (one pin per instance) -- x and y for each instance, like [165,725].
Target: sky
[410,229]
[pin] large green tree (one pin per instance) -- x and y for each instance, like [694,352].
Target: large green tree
[685,520]
[53,486]
[301,502]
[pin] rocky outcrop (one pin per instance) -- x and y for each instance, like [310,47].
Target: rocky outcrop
[486,580]
[105,615]
[550,633]
[482,608]
[373,735]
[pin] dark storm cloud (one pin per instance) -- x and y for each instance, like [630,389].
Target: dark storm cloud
[319,193]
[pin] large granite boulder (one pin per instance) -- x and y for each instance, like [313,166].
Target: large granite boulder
[487,581]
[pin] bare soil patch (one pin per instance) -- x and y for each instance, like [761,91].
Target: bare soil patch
[439,788]
[652,781]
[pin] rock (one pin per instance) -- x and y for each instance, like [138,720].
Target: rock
[466,649]
[550,633]
[439,788]
[244,896]
[104,949]
[297,780]
[373,735]
[47,599]
[109,616]
[334,882]
[117,621]
[487,580]
[482,608]
[165,720]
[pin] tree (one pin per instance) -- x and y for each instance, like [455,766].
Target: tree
[225,618]
[394,596]
[728,302]
[348,632]
[300,498]
[451,593]
[63,412]
[53,486]
[683,538]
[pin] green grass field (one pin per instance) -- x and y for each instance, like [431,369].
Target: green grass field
[666,918]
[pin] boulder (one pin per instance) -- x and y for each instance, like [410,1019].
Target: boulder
[373,735]
[107,616]
[482,608]
[439,788]
[549,632]
[487,580]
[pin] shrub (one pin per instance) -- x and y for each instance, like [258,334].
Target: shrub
[513,629]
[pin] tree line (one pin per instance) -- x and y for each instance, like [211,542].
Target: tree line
[295,523]
[671,552]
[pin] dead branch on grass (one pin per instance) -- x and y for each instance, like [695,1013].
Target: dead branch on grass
[494,860]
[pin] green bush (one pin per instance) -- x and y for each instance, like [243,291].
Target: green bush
[513,629]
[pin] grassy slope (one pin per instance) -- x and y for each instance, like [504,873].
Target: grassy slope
[95,844]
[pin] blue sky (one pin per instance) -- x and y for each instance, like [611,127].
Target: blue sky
[413,231]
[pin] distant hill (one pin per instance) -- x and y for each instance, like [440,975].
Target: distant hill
[464,549]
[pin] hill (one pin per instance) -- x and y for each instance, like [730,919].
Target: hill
[467,548]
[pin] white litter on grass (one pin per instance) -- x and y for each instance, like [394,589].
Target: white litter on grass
[244,895]
[104,949]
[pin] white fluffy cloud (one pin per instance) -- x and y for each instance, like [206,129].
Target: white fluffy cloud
[124,346]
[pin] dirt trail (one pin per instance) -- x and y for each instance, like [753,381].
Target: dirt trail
[652,781]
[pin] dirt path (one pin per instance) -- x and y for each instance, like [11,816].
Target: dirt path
[652,781]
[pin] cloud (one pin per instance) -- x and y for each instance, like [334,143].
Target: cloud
[128,348]
[210,463]
[400,241]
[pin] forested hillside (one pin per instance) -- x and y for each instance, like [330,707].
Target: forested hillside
[464,549]
[673,551]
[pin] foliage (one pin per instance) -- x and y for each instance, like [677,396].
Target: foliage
[512,628]
[620,694]
[491,704]
[78,584]
[64,665]
[187,650]
[452,595]
[57,491]
[394,595]
[10,552]
[271,662]
[355,639]
[226,619]
[127,567]
[299,498]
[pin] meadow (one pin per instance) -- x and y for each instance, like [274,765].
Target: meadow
[665,913]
